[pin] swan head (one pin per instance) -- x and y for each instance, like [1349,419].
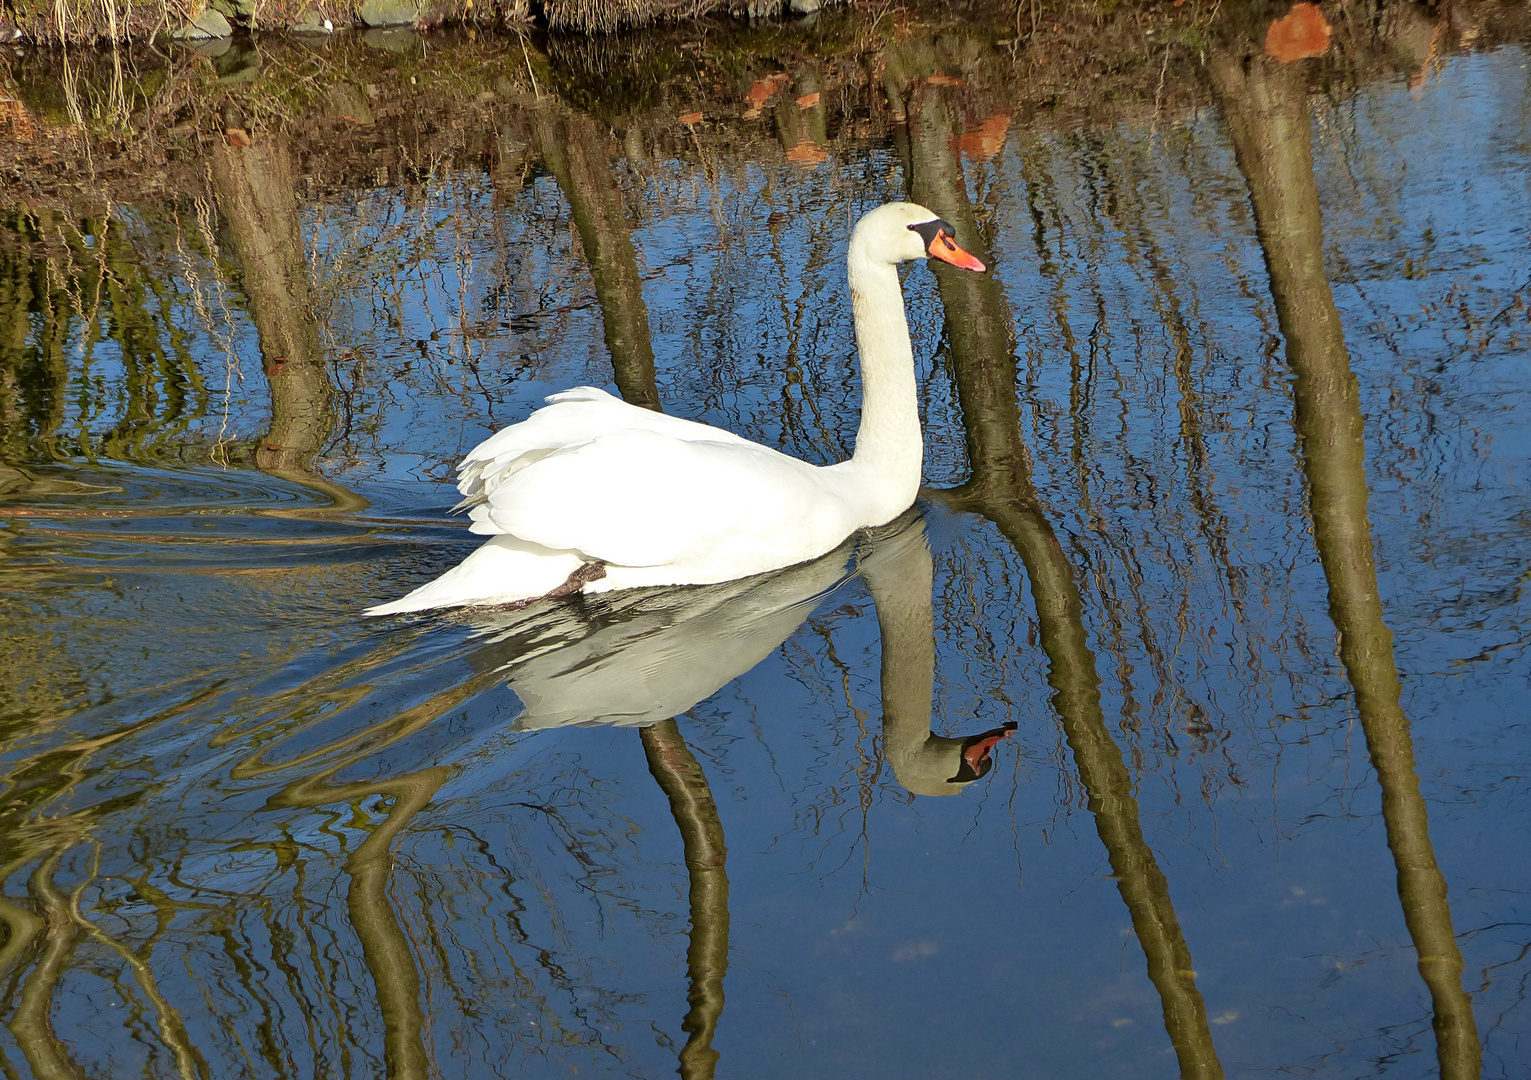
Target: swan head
[898,232]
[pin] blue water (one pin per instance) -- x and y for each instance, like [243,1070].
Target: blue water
[201,730]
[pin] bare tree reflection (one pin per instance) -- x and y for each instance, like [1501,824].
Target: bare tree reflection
[35,313]
[258,198]
[80,283]
[46,933]
[1266,111]
[385,948]
[1000,488]
[574,151]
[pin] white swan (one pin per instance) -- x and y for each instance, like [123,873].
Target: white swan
[592,493]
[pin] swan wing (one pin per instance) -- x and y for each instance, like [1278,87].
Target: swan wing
[646,498]
[571,418]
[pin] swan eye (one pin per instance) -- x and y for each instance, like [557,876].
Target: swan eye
[931,231]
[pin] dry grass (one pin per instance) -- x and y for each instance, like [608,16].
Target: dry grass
[604,16]
[79,22]
[135,119]
[96,22]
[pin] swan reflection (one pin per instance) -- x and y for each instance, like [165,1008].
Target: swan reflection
[900,576]
[639,658]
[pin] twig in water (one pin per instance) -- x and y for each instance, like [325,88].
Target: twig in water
[1159,92]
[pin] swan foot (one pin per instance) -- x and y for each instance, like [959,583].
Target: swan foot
[590,571]
[582,576]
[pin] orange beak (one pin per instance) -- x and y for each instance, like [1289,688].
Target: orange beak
[943,247]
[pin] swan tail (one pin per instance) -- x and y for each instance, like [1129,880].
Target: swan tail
[504,570]
[579,393]
[512,449]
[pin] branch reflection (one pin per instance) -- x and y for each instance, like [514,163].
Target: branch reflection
[58,932]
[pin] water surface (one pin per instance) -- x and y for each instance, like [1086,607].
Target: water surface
[1224,532]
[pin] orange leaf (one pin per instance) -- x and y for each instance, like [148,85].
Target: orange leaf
[763,91]
[237,136]
[690,118]
[987,139]
[942,80]
[1299,34]
[808,101]
[807,153]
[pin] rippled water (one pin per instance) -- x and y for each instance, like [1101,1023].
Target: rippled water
[1264,806]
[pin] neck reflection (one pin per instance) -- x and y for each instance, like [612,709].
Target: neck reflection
[899,574]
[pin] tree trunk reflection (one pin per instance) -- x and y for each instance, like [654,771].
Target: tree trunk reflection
[1000,488]
[1266,112]
[385,947]
[572,148]
[575,152]
[681,778]
[258,198]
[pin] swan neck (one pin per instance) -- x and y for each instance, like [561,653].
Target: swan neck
[898,574]
[888,443]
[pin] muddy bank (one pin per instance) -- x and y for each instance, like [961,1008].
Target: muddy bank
[87,130]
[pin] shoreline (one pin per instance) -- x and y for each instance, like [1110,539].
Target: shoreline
[103,127]
[77,23]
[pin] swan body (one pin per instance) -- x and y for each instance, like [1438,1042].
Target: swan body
[590,493]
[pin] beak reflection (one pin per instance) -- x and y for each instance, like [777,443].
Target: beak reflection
[975,757]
